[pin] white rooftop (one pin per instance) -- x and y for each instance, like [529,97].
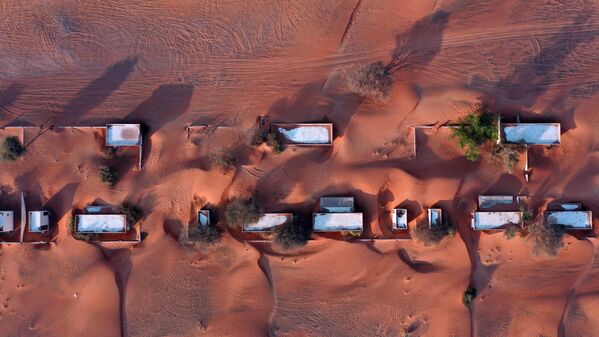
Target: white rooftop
[39,221]
[400,218]
[573,219]
[435,217]
[531,133]
[7,221]
[335,222]
[123,134]
[268,221]
[204,217]
[495,220]
[101,223]
[306,133]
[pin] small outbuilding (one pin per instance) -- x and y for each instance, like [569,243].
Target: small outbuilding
[39,221]
[305,134]
[338,222]
[123,135]
[435,217]
[530,133]
[7,223]
[400,218]
[204,217]
[267,222]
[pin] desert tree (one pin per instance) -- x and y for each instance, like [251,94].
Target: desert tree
[107,174]
[475,129]
[272,140]
[432,235]
[547,238]
[224,158]
[132,213]
[240,211]
[469,296]
[293,234]
[12,148]
[373,80]
[506,154]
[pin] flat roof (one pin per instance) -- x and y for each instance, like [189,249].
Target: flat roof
[7,223]
[495,220]
[531,133]
[435,216]
[39,221]
[305,133]
[337,204]
[101,223]
[571,219]
[400,218]
[268,221]
[490,201]
[336,222]
[123,135]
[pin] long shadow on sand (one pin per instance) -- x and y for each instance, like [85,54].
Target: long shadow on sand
[97,91]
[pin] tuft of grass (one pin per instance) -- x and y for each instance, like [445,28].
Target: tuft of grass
[224,158]
[373,80]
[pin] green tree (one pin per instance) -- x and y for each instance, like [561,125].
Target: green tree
[474,130]
[293,234]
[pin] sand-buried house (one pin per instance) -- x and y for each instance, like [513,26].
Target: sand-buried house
[337,214]
[125,135]
[569,215]
[399,218]
[268,222]
[305,134]
[530,133]
[107,224]
[497,212]
[7,222]
[435,217]
[39,221]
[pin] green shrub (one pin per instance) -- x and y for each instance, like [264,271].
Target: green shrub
[547,238]
[259,137]
[507,154]
[511,230]
[475,129]
[107,174]
[225,159]
[430,236]
[372,80]
[12,148]
[469,296]
[210,234]
[241,211]
[294,234]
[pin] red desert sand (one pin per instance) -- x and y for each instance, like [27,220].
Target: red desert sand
[171,64]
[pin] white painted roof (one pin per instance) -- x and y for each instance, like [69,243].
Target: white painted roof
[495,220]
[400,218]
[531,133]
[573,219]
[101,223]
[39,221]
[7,221]
[268,221]
[123,134]
[335,222]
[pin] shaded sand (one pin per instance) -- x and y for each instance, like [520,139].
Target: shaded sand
[173,64]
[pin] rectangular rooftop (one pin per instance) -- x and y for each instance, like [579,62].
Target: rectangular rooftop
[400,218]
[7,221]
[123,135]
[305,134]
[337,204]
[570,219]
[495,220]
[268,221]
[531,133]
[337,222]
[101,223]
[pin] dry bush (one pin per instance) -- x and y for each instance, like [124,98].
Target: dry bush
[432,236]
[469,296]
[133,213]
[547,239]
[225,159]
[107,174]
[271,139]
[507,154]
[294,234]
[12,148]
[241,211]
[372,80]
[511,230]
[210,234]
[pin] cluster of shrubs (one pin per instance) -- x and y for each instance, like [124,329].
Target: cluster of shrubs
[271,139]
[12,148]
[225,159]
[432,235]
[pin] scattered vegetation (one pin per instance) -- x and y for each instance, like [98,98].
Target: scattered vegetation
[475,129]
[12,148]
[133,213]
[547,238]
[225,159]
[432,236]
[373,80]
[511,230]
[271,139]
[241,211]
[292,235]
[107,174]
[507,154]
[210,234]
[469,296]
